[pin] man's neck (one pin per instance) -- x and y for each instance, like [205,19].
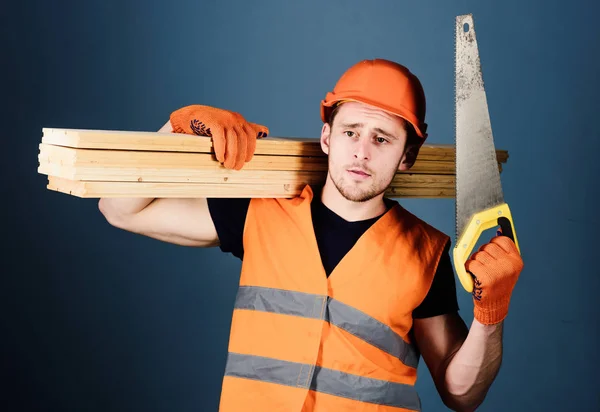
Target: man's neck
[347,209]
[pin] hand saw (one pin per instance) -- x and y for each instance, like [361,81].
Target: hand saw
[479,199]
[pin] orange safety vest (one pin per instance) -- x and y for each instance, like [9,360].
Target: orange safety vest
[302,341]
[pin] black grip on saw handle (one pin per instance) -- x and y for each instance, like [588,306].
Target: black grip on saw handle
[507,229]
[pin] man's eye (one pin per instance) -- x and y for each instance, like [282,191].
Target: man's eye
[349,133]
[381,140]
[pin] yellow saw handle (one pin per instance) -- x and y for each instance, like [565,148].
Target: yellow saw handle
[486,219]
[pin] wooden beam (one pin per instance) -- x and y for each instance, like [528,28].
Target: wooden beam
[204,161]
[175,142]
[99,163]
[221,176]
[97,189]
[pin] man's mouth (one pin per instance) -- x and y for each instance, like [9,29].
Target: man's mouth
[359,172]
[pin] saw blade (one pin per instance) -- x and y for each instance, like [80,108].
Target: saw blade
[478,185]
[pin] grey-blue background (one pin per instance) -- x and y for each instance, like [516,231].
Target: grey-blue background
[97,319]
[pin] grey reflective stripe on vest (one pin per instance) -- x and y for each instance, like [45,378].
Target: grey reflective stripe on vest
[337,313]
[324,380]
[281,301]
[371,330]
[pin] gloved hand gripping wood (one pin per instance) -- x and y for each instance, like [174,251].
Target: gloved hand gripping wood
[234,138]
[495,268]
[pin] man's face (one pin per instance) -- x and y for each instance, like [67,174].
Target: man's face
[365,146]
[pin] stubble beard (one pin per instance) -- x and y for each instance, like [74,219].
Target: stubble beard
[357,193]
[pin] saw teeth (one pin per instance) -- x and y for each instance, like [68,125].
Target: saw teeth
[456,25]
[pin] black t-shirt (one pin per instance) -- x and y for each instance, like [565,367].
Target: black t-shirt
[335,237]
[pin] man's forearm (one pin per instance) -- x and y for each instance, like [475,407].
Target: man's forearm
[474,367]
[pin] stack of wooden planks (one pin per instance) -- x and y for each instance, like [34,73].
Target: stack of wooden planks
[106,163]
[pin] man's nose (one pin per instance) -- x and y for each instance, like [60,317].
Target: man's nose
[362,149]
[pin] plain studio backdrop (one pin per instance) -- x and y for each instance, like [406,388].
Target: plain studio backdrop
[98,319]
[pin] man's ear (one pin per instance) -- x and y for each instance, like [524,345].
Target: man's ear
[409,157]
[325,135]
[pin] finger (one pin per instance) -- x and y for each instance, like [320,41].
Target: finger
[475,267]
[250,137]
[218,139]
[506,244]
[242,140]
[483,257]
[231,142]
[260,130]
[494,250]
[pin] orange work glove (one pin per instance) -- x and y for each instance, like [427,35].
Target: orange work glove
[234,139]
[495,268]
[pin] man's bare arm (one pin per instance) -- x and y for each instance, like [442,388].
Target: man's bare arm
[475,365]
[463,362]
[185,222]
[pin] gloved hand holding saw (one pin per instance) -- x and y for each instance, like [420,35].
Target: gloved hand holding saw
[495,268]
[234,138]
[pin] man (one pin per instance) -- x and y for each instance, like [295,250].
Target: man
[341,289]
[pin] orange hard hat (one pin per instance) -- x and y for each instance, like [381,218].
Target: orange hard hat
[384,84]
